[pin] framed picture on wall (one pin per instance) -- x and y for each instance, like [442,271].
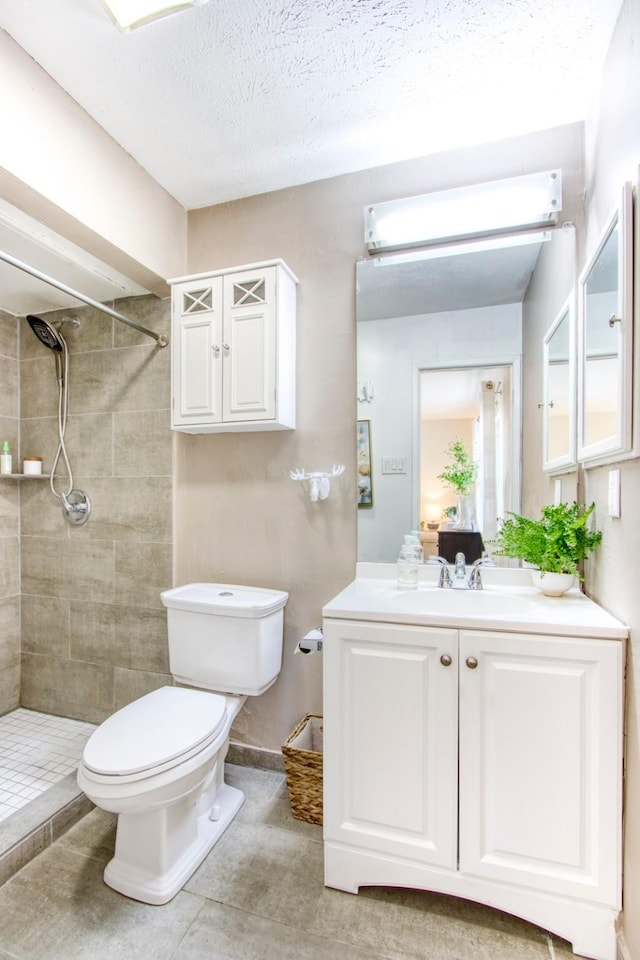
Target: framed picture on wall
[365,484]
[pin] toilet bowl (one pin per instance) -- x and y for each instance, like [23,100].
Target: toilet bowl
[159,762]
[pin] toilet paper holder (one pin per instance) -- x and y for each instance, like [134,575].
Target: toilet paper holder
[311,642]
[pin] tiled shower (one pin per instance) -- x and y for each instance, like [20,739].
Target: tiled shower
[82,629]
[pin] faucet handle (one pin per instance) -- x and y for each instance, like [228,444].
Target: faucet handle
[445,577]
[475,580]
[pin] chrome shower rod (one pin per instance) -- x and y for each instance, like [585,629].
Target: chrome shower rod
[160,339]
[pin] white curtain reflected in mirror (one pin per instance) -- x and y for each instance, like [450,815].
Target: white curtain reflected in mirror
[471,405]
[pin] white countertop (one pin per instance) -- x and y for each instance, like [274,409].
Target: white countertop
[507,603]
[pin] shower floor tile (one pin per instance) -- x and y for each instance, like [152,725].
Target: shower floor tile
[36,751]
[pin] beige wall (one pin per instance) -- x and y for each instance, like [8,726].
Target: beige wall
[238,518]
[93,627]
[9,522]
[613,155]
[551,284]
[70,175]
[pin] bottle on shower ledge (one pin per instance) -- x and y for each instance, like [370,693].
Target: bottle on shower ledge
[6,460]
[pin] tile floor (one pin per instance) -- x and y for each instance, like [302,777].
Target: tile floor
[36,751]
[258,896]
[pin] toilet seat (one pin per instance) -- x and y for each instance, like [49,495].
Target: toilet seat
[155,733]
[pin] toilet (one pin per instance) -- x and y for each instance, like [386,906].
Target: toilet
[159,761]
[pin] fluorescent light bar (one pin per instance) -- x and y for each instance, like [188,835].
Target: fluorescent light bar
[129,14]
[497,207]
[463,247]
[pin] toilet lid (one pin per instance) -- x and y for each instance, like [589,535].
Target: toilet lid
[157,728]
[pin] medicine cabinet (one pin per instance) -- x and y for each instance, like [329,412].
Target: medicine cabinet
[605,342]
[559,391]
[233,349]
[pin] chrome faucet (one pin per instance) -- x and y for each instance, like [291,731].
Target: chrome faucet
[445,577]
[475,580]
[460,569]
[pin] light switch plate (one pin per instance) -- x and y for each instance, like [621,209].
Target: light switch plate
[394,465]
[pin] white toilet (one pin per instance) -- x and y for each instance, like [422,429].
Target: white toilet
[159,762]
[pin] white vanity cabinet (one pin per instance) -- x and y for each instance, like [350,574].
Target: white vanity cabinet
[233,349]
[481,763]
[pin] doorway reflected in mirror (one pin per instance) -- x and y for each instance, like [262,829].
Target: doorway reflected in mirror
[471,405]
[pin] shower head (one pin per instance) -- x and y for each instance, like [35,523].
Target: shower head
[46,333]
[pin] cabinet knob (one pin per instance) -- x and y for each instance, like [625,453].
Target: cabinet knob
[613,320]
[471,662]
[445,660]
[225,347]
[216,349]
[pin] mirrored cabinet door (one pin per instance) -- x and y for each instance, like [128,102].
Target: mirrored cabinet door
[559,391]
[605,328]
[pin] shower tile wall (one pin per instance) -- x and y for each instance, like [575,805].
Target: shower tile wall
[93,627]
[9,521]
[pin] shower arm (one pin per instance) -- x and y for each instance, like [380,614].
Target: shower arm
[160,339]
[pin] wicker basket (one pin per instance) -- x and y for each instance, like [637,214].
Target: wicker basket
[302,752]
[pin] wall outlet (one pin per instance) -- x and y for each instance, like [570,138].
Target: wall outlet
[614,493]
[557,492]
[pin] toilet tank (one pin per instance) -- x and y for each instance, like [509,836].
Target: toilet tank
[225,637]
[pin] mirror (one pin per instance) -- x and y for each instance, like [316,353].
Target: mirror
[558,371]
[605,330]
[450,311]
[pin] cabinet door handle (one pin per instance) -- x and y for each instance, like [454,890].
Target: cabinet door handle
[445,660]
[216,349]
[613,320]
[225,347]
[471,662]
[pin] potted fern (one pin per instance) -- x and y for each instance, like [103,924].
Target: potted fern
[460,475]
[556,544]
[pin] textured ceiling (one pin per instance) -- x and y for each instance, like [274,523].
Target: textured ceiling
[239,97]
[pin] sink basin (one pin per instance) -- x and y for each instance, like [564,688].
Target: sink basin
[489,602]
[506,604]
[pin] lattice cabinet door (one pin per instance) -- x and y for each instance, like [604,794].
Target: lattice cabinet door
[197,367]
[249,350]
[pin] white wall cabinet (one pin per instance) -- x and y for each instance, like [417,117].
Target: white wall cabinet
[479,764]
[233,350]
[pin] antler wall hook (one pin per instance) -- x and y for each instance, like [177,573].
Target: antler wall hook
[319,482]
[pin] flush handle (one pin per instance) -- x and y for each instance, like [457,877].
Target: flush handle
[471,662]
[445,660]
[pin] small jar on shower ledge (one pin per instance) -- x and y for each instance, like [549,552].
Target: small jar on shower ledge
[32,466]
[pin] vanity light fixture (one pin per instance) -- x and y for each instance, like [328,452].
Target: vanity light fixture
[463,247]
[497,207]
[129,14]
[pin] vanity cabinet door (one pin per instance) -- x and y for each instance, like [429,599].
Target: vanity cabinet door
[390,739]
[541,762]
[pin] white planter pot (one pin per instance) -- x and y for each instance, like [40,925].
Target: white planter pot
[552,584]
